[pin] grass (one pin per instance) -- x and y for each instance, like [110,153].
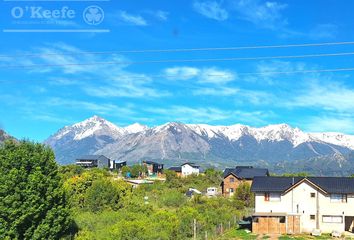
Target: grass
[304,237]
[242,234]
[238,234]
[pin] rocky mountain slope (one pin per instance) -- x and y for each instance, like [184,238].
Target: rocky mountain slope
[218,146]
[87,137]
[4,136]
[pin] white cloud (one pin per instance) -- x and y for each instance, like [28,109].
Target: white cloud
[262,14]
[330,124]
[214,75]
[209,115]
[332,96]
[161,15]
[216,91]
[327,31]
[203,75]
[98,108]
[211,9]
[114,80]
[132,19]
[181,73]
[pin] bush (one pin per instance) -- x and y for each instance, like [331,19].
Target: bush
[173,198]
[105,194]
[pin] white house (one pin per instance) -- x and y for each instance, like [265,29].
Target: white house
[186,169]
[189,168]
[297,204]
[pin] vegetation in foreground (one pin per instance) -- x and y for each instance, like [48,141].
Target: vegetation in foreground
[39,200]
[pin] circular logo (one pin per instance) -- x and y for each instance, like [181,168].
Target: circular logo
[93,15]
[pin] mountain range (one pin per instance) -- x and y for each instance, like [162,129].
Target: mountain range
[4,136]
[279,147]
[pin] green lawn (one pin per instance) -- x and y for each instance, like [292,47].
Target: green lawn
[238,234]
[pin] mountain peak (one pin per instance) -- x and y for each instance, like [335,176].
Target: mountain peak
[135,128]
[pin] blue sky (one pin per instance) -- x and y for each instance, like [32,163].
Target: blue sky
[37,101]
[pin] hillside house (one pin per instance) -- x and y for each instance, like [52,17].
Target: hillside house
[119,164]
[233,177]
[153,168]
[302,205]
[186,169]
[92,161]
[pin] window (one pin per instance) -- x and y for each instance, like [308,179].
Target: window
[337,198]
[313,194]
[255,219]
[282,220]
[232,179]
[332,219]
[274,197]
[312,217]
[266,197]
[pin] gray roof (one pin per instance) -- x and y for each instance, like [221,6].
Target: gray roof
[93,157]
[246,172]
[176,169]
[152,163]
[340,185]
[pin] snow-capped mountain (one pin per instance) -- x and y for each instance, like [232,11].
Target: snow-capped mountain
[336,139]
[276,133]
[87,137]
[208,145]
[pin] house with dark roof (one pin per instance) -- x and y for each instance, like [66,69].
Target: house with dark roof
[233,177]
[92,161]
[153,168]
[119,164]
[303,204]
[186,169]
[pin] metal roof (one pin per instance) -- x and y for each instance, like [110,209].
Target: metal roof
[176,169]
[246,172]
[152,163]
[340,185]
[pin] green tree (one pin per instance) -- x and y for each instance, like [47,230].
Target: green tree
[105,193]
[243,196]
[32,201]
[299,174]
[137,170]
[125,170]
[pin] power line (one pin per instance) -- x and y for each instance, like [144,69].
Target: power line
[180,60]
[237,74]
[183,49]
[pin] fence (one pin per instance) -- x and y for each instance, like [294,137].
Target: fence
[207,232]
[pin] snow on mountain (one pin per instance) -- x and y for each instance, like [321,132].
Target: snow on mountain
[87,137]
[278,132]
[335,138]
[98,126]
[196,142]
[233,132]
[281,132]
[135,128]
[90,127]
